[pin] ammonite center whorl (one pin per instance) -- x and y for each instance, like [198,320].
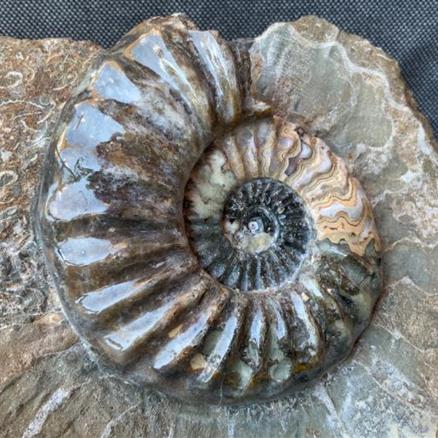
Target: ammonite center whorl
[250,233]
[264,215]
[202,243]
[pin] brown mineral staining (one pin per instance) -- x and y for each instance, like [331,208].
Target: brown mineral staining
[21,346]
[269,212]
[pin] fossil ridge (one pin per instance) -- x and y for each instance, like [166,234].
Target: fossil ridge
[225,300]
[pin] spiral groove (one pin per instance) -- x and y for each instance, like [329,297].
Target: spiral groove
[260,240]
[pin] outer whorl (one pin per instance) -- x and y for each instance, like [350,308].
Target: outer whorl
[201,242]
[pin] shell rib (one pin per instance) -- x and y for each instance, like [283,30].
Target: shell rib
[201,243]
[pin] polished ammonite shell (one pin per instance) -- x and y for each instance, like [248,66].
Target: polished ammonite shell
[203,242]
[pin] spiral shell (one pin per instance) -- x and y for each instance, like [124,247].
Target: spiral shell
[201,241]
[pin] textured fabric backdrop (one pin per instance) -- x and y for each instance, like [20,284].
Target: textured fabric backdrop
[406,29]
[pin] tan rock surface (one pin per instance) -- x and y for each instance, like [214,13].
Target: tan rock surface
[349,93]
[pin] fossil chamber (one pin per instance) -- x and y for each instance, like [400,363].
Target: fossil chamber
[202,240]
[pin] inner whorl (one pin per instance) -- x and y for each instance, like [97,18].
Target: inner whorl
[258,241]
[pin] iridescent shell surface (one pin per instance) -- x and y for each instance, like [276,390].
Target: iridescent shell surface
[202,242]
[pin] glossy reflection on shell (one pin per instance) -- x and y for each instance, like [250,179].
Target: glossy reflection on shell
[203,243]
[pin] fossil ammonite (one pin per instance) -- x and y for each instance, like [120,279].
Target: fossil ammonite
[202,242]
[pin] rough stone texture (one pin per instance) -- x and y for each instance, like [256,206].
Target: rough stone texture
[36,77]
[388,387]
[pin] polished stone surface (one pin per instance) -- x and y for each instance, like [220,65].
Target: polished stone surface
[139,170]
[388,387]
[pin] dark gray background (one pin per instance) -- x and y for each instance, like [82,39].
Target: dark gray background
[406,29]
